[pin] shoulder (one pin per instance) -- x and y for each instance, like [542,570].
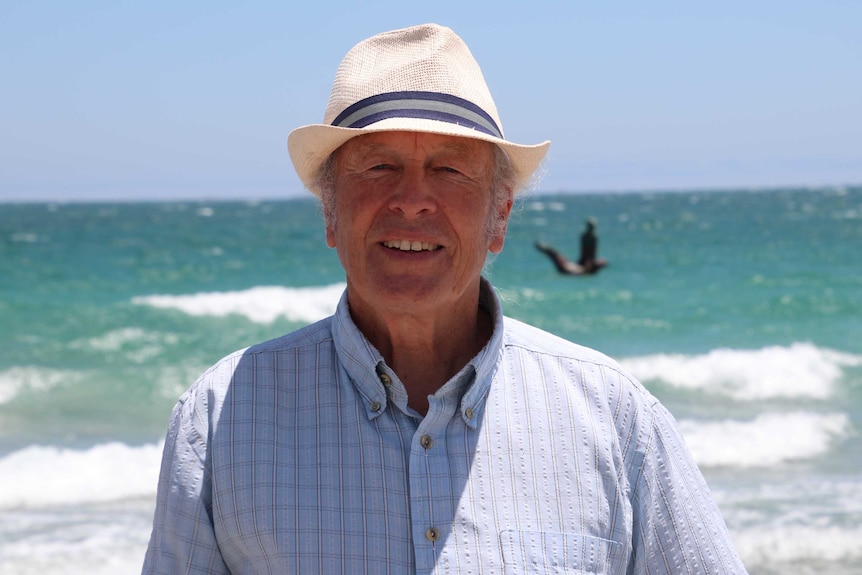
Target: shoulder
[237,369]
[535,341]
[310,336]
[551,361]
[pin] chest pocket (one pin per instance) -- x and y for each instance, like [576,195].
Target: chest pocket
[560,553]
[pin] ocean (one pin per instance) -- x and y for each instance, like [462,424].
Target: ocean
[741,310]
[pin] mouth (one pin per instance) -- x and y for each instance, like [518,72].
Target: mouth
[410,246]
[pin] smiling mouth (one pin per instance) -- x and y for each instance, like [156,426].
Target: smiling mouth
[408,246]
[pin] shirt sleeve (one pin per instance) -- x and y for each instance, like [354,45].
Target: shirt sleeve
[183,537]
[677,525]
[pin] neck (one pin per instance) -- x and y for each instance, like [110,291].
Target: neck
[427,349]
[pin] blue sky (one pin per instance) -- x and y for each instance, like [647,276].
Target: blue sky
[121,100]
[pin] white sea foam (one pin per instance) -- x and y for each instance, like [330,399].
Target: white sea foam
[39,476]
[788,546]
[768,439]
[798,370]
[796,523]
[13,381]
[24,237]
[94,539]
[263,304]
[114,340]
[135,344]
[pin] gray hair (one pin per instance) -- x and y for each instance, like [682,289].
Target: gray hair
[502,190]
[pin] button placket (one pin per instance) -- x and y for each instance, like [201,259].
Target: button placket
[430,489]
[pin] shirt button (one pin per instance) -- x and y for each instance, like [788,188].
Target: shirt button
[426,441]
[432,534]
[375,406]
[468,413]
[385,379]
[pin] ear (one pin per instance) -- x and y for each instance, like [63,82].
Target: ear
[330,236]
[499,238]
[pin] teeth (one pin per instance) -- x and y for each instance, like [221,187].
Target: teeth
[408,246]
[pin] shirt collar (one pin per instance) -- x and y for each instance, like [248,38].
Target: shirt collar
[371,376]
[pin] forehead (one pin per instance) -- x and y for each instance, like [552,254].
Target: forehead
[410,142]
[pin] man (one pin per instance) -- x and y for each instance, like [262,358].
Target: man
[587,262]
[418,430]
[589,246]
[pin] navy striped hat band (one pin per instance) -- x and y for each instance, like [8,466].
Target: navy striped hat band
[423,105]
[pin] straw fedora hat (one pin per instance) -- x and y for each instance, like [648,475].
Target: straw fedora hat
[418,79]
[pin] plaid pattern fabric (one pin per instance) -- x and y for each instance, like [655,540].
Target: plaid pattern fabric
[300,455]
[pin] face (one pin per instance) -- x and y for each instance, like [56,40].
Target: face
[411,214]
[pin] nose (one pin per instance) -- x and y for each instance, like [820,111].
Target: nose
[413,196]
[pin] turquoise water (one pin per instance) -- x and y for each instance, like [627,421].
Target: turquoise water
[741,310]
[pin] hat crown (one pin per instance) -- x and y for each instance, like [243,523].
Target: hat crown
[426,58]
[419,79]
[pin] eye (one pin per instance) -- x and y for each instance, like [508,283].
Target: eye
[449,170]
[379,167]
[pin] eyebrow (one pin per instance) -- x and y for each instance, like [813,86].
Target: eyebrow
[458,148]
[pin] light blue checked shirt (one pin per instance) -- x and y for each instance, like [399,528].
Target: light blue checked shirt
[300,455]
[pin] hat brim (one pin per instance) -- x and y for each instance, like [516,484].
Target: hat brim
[310,146]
